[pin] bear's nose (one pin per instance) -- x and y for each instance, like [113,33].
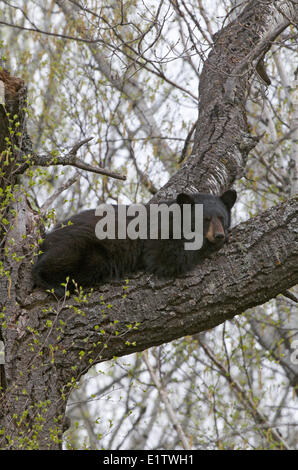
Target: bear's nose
[219,236]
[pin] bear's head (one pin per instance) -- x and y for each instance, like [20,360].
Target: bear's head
[216,214]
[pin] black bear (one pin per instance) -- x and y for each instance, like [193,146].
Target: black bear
[168,258]
[73,250]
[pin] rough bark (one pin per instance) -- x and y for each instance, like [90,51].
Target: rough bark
[259,262]
[49,344]
[222,139]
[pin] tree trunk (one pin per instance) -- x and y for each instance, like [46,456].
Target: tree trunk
[50,344]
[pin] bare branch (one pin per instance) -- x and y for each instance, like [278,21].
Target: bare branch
[246,400]
[49,202]
[164,396]
[69,159]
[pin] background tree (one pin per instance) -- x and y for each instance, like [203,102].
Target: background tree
[127,72]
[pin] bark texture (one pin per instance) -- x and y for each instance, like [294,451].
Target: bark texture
[259,262]
[222,138]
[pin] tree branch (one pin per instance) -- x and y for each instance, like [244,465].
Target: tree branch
[248,402]
[165,399]
[222,138]
[69,159]
[259,263]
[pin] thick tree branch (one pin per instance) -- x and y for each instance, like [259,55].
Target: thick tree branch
[59,340]
[259,262]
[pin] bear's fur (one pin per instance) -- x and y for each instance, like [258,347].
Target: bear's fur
[75,251]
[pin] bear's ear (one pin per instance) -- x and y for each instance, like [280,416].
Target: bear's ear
[229,198]
[184,198]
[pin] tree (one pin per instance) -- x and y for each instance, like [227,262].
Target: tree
[49,344]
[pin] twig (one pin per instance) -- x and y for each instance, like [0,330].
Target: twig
[187,141]
[142,175]
[244,397]
[164,396]
[51,199]
[290,296]
[49,33]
